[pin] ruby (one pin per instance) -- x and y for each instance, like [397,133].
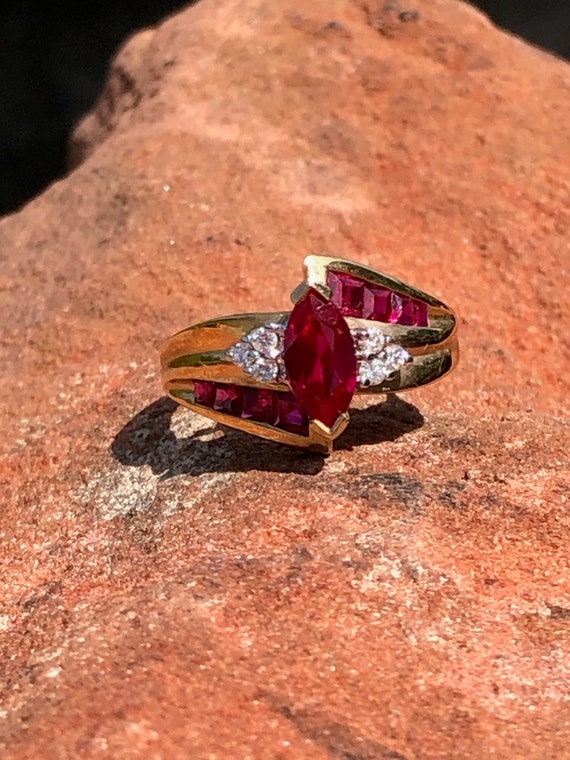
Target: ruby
[275,408]
[204,392]
[422,316]
[396,308]
[347,293]
[382,305]
[319,358]
[414,313]
[334,282]
[356,297]
[229,399]
[289,415]
[259,405]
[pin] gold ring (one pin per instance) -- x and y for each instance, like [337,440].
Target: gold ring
[291,376]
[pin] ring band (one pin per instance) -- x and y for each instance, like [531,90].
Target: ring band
[290,376]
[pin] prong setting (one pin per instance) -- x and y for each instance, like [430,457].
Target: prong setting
[260,353]
[379,358]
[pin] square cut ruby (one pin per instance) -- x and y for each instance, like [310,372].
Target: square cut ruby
[347,293]
[229,399]
[382,305]
[289,415]
[259,405]
[396,308]
[356,297]
[334,282]
[414,313]
[204,392]
[422,318]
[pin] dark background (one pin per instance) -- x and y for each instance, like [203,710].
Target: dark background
[54,55]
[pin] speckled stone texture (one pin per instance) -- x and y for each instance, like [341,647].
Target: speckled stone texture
[172,590]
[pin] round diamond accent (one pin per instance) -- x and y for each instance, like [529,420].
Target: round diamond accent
[378,357]
[264,370]
[371,372]
[266,342]
[242,354]
[395,357]
[259,353]
[368,341]
[375,370]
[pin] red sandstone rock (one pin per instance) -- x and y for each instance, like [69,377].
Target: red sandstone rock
[170,590]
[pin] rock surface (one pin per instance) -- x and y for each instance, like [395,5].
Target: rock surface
[173,590]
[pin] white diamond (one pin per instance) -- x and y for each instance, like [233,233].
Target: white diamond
[260,353]
[376,369]
[395,357]
[371,372]
[264,370]
[368,342]
[242,354]
[266,341]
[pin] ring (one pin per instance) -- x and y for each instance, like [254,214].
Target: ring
[291,376]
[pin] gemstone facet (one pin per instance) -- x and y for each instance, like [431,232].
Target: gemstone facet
[259,404]
[289,415]
[320,359]
[229,399]
[204,392]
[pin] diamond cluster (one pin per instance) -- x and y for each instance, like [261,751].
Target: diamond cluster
[260,353]
[378,357]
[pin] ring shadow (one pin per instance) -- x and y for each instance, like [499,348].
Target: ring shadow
[147,439]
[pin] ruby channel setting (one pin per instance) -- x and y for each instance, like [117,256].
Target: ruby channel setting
[318,355]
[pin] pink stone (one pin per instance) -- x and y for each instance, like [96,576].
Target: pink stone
[422,319]
[319,358]
[347,293]
[356,297]
[334,282]
[289,415]
[204,392]
[260,405]
[396,308]
[276,408]
[229,399]
[382,305]
[414,313]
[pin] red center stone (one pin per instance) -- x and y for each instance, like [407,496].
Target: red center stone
[319,357]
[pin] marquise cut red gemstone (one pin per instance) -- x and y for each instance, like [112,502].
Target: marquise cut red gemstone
[319,357]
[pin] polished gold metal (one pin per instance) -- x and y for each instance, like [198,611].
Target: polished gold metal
[199,353]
